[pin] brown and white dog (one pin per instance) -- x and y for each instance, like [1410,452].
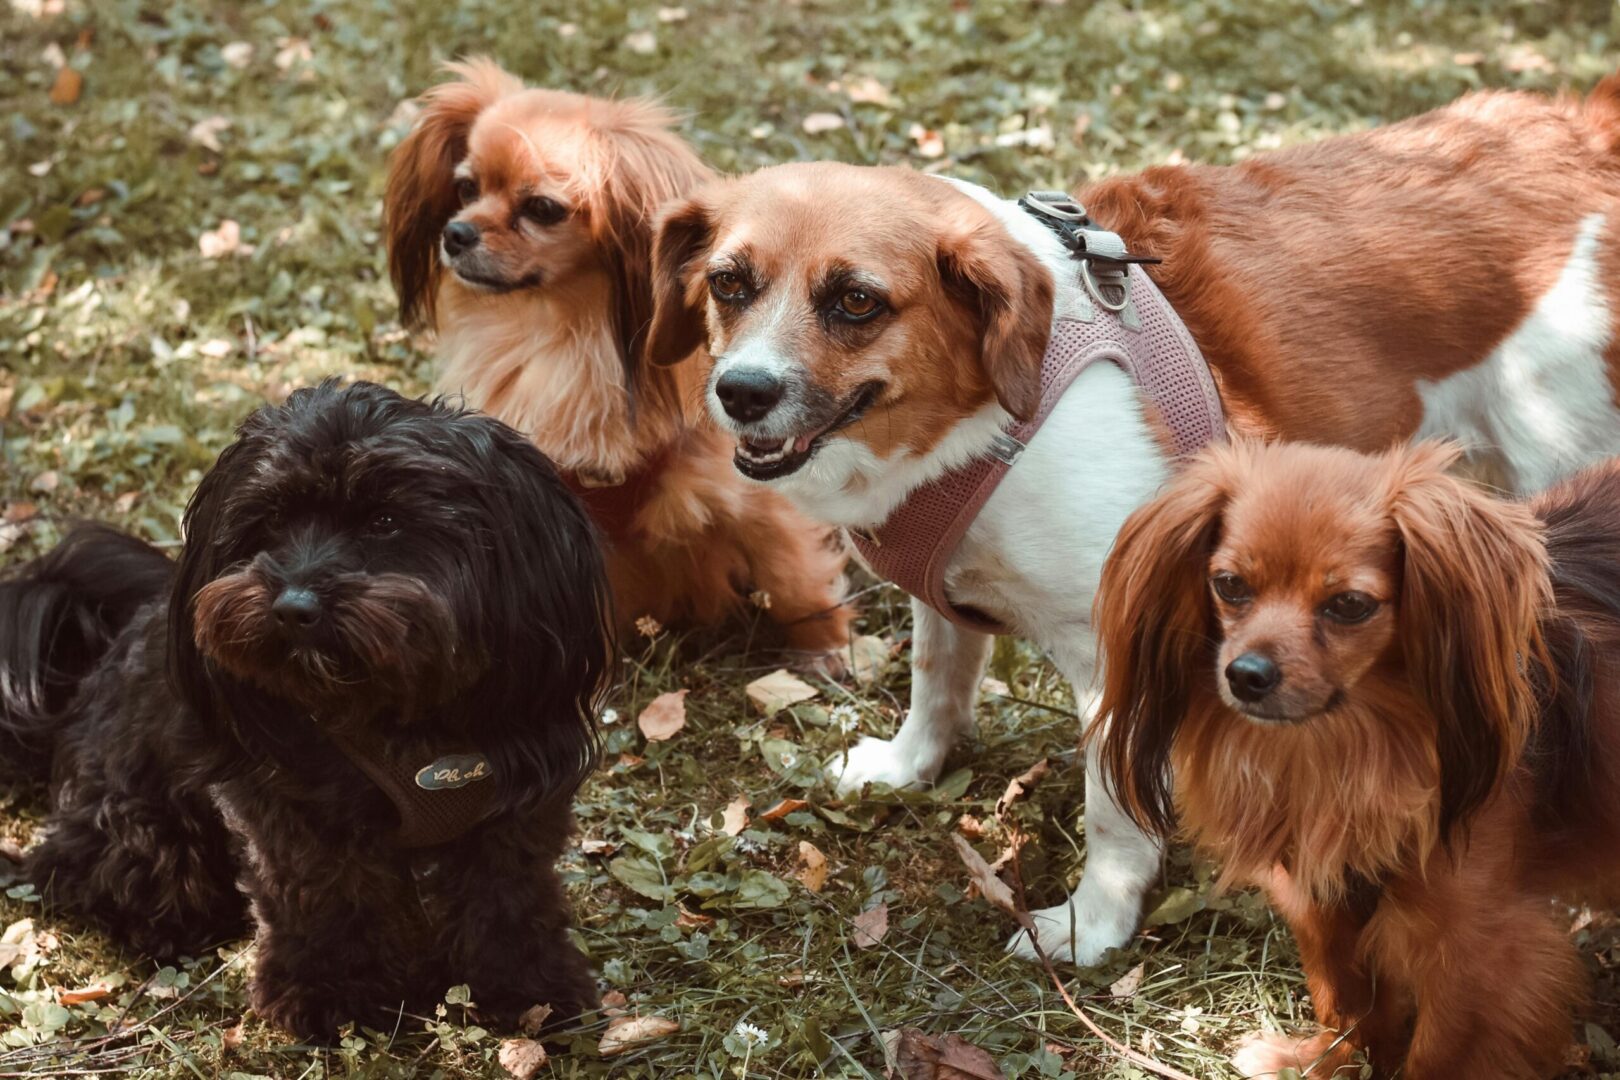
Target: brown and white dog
[871,328]
[520,228]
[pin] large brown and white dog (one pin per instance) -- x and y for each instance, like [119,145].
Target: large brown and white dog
[871,328]
[520,228]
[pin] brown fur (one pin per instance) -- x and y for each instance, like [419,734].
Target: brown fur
[561,355]
[1439,770]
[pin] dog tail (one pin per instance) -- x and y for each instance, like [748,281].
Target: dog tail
[58,616]
[1601,113]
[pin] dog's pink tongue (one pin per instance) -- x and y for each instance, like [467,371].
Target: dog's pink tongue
[802,443]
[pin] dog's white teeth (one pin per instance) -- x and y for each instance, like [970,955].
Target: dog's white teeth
[764,453]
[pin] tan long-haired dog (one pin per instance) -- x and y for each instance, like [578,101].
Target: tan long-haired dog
[519,226]
[1391,699]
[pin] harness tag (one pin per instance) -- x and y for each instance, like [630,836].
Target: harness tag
[1006,449]
[453,771]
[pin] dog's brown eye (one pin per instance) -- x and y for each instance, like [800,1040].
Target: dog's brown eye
[1231,588]
[727,286]
[544,211]
[858,304]
[466,190]
[1350,607]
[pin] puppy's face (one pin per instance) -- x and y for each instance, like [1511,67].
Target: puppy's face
[1304,583]
[519,222]
[853,313]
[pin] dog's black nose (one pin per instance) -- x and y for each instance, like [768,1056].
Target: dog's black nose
[459,236]
[749,394]
[1252,676]
[296,609]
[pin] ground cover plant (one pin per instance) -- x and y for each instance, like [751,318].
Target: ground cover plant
[189,226]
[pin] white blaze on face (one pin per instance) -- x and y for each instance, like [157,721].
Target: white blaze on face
[1541,405]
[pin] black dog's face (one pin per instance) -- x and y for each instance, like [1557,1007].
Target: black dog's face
[355,552]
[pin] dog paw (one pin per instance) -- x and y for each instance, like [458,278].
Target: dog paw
[1267,1054]
[828,663]
[303,1016]
[879,761]
[1070,935]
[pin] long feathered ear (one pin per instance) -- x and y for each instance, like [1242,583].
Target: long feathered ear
[1474,585]
[684,232]
[642,166]
[1157,638]
[544,623]
[1011,296]
[420,198]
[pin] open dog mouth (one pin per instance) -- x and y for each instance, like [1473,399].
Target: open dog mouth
[771,459]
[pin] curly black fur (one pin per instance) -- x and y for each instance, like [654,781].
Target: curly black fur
[454,593]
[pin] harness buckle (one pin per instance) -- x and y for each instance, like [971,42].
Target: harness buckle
[1006,449]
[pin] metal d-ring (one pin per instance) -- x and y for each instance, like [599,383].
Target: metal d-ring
[1096,290]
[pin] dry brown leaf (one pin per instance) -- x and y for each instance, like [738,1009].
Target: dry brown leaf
[691,920]
[68,86]
[592,846]
[661,720]
[47,481]
[991,887]
[819,123]
[970,827]
[776,691]
[533,1019]
[918,1056]
[93,992]
[930,143]
[231,1037]
[813,874]
[225,240]
[206,133]
[783,809]
[630,1031]
[1020,785]
[866,89]
[870,926]
[18,512]
[613,1003]
[735,817]
[522,1057]
[1125,986]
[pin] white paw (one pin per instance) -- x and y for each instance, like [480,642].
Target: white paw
[879,761]
[1266,1054]
[1070,935]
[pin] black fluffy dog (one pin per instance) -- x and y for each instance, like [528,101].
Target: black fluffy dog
[363,698]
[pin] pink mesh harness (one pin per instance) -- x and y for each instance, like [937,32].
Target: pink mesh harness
[1146,338]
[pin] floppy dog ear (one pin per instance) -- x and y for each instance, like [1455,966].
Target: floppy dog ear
[1156,634]
[420,198]
[642,165]
[1474,584]
[1011,296]
[543,621]
[684,231]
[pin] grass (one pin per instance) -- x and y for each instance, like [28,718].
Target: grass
[126,355]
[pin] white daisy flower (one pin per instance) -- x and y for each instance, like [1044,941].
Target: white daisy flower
[750,1035]
[846,718]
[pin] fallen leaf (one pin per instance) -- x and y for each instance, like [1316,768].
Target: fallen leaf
[661,720]
[691,920]
[930,144]
[642,42]
[533,1019]
[818,123]
[776,691]
[591,846]
[521,1057]
[783,809]
[225,240]
[869,659]
[918,1056]
[1125,986]
[90,196]
[813,874]
[20,511]
[67,87]
[671,14]
[93,992]
[870,926]
[613,1003]
[869,91]
[292,51]
[736,816]
[216,348]
[231,1037]
[970,827]
[47,481]
[991,887]
[1020,785]
[630,1031]
[238,54]
[206,133]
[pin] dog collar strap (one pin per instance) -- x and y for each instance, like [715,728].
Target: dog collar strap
[438,798]
[613,506]
[1131,325]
